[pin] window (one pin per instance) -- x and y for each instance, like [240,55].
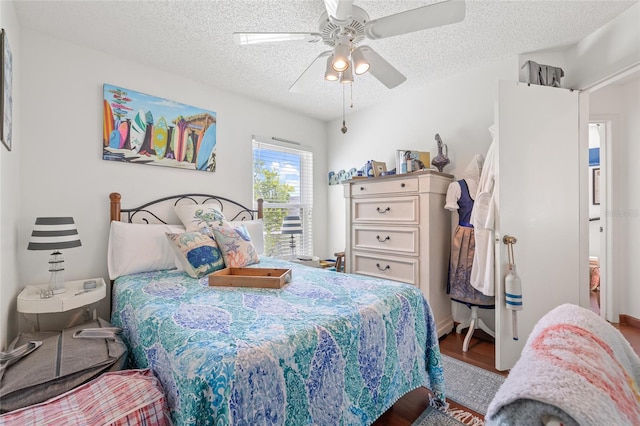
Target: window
[283,178]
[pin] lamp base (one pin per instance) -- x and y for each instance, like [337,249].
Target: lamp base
[56,267]
[292,244]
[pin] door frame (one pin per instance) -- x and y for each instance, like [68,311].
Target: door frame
[609,289]
[609,306]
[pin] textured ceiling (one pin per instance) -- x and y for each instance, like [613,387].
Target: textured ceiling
[195,40]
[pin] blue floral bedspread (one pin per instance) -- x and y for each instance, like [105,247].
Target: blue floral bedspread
[326,349]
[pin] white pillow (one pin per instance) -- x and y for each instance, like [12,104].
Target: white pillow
[196,216]
[135,247]
[256,232]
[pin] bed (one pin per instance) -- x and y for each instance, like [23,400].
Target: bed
[326,349]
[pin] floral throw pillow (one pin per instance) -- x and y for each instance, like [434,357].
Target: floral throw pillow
[235,245]
[197,251]
[196,216]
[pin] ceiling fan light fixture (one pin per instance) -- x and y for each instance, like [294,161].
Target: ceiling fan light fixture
[346,76]
[330,74]
[340,58]
[343,27]
[360,64]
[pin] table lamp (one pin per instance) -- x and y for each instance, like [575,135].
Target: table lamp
[291,226]
[55,233]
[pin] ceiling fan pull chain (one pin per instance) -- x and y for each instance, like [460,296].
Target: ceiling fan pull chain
[344,124]
[351,94]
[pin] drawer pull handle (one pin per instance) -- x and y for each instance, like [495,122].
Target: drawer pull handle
[383,211]
[402,185]
[387,238]
[383,269]
[362,188]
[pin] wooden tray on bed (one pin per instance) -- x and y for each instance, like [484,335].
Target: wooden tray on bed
[250,277]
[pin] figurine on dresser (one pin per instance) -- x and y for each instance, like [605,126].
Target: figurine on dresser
[459,198]
[441,160]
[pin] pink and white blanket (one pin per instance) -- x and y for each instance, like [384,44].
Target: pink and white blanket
[575,369]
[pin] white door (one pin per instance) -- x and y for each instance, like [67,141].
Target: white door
[538,198]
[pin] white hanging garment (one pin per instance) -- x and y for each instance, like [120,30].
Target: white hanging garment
[483,219]
[471,175]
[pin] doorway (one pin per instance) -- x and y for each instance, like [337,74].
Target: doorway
[611,105]
[597,199]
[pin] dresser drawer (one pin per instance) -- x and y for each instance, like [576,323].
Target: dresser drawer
[392,268]
[392,186]
[386,210]
[401,240]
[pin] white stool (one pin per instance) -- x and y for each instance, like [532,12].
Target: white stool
[473,323]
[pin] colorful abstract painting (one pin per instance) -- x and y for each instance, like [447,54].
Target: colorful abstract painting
[144,129]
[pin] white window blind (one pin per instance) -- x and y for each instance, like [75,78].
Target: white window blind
[283,178]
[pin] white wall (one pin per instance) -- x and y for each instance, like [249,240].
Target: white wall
[613,47]
[10,189]
[621,103]
[62,170]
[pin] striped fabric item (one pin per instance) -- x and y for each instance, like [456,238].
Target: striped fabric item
[127,397]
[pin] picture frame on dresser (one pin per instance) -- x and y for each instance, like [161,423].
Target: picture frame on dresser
[379,167]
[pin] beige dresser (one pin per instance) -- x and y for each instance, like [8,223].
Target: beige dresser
[397,228]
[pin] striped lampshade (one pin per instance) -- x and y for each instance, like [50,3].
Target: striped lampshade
[54,233]
[291,225]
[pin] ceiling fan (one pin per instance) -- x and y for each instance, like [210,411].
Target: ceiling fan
[343,27]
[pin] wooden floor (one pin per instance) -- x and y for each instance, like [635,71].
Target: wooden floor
[481,354]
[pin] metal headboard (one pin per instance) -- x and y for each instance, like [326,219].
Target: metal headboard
[146,213]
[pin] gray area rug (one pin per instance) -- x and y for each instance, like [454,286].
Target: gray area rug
[433,417]
[470,386]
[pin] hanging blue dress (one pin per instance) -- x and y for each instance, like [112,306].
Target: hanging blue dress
[462,250]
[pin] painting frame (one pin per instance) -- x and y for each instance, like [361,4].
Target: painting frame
[379,167]
[595,184]
[6,91]
[140,128]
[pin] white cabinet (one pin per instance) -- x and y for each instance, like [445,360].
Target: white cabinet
[398,229]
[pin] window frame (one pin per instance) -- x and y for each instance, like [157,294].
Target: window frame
[277,244]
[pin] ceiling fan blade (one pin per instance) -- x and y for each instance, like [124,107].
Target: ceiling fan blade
[258,38]
[422,18]
[313,72]
[339,11]
[381,69]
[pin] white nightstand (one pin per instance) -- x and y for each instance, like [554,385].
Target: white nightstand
[30,301]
